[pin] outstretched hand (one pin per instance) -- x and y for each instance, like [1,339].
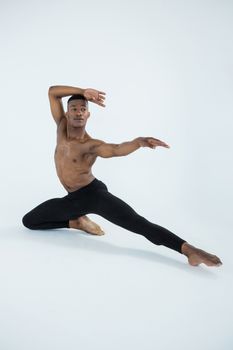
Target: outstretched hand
[95,96]
[151,142]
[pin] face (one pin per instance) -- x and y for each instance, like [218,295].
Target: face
[77,113]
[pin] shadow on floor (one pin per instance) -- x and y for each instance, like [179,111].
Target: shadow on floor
[83,241]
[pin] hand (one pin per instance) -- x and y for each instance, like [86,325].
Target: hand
[151,142]
[95,96]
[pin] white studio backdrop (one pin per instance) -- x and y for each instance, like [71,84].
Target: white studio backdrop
[166,67]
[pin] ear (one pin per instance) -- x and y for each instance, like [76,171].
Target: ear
[88,114]
[66,115]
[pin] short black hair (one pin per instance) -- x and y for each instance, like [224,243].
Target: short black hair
[77,97]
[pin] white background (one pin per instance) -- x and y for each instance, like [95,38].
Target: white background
[166,67]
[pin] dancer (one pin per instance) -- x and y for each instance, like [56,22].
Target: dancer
[75,153]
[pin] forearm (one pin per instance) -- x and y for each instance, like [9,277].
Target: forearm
[125,148]
[63,91]
[107,150]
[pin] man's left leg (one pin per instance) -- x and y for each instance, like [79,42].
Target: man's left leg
[121,214]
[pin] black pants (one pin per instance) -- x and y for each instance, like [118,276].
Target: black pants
[95,198]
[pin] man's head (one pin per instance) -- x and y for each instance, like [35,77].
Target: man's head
[77,111]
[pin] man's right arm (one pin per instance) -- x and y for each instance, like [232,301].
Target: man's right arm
[55,94]
[58,91]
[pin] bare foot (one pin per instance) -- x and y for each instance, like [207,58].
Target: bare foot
[197,256]
[85,224]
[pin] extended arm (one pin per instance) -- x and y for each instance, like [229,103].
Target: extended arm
[108,150]
[57,92]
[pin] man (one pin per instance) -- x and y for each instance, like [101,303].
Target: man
[75,154]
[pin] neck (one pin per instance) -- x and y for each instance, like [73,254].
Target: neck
[76,133]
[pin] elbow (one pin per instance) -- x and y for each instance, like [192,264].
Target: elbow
[51,90]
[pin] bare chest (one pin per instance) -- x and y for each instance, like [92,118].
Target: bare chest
[74,153]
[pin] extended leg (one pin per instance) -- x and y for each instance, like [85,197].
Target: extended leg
[120,213]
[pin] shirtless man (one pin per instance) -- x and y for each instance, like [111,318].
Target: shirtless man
[75,154]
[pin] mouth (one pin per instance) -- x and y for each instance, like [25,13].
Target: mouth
[78,119]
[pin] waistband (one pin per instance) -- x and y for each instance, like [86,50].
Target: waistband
[93,185]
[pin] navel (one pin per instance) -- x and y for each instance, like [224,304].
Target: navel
[74,160]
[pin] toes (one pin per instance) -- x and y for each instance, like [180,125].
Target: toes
[214,262]
[100,232]
[218,264]
[217,261]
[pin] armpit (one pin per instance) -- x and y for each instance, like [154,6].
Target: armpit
[62,127]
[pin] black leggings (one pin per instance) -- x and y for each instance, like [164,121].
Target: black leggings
[95,199]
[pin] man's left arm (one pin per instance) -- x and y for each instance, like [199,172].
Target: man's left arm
[108,150]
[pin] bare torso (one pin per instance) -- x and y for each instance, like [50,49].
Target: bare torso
[74,159]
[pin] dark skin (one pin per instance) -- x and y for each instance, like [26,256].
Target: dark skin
[77,151]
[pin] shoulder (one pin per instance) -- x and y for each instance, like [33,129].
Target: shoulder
[99,147]
[94,144]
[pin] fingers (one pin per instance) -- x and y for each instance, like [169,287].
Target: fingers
[98,99]
[100,103]
[161,144]
[165,145]
[155,142]
[95,95]
[101,98]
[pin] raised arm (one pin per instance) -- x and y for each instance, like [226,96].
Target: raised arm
[108,150]
[56,93]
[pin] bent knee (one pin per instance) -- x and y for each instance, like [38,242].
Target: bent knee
[28,222]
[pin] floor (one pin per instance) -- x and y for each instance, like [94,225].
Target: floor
[166,68]
[66,289]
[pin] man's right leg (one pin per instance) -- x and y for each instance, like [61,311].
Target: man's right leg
[51,214]
[59,213]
